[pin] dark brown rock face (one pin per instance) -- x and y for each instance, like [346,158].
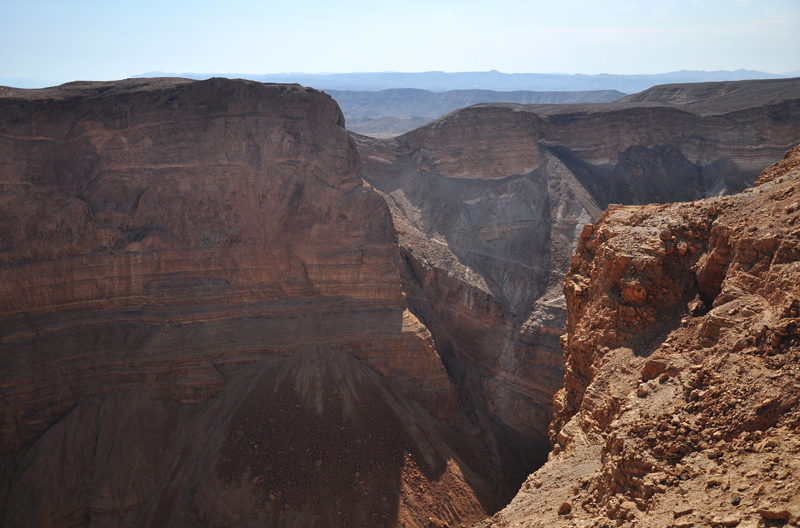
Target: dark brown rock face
[680,404]
[208,319]
[202,321]
[490,201]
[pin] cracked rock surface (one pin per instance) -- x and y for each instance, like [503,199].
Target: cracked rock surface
[680,401]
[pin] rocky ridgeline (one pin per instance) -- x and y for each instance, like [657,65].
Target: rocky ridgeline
[208,318]
[490,203]
[680,405]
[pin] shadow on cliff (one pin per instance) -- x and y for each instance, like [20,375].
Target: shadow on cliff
[310,439]
[656,174]
[322,440]
[499,228]
[693,303]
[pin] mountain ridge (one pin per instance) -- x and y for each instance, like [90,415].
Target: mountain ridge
[392,112]
[493,80]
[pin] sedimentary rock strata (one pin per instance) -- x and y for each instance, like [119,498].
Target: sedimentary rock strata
[681,400]
[490,201]
[200,300]
[207,317]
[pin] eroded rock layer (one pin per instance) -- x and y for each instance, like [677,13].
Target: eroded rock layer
[202,321]
[681,400]
[490,201]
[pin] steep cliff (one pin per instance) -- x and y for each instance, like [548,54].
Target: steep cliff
[490,201]
[680,404]
[207,318]
[202,319]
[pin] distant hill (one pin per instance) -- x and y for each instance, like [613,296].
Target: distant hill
[438,81]
[393,112]
[410,102]
[24,82]
[385,126]
[720,97]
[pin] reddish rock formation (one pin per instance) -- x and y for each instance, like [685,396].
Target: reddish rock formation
[206,319]
[200,300]
[490,201]
[681,400]
[751,122]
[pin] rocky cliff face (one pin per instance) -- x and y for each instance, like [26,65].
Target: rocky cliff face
[203,321]
[680,404]
[207,318]
[490,201]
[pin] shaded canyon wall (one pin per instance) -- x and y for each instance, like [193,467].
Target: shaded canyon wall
[680,405]
[490,201]
[203,321]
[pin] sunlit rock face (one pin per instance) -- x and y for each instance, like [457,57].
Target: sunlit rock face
[490,201]
[208,318]
[203,321]
[680,403]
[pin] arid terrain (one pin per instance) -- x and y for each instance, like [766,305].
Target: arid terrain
[490,202]
[680,406]
[203,321]
[221,308]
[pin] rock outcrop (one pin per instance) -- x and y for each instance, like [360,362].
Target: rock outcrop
[207,317]
[202,320]
[490,201]
[681,400]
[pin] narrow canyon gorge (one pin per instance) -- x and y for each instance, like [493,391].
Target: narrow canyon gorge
[681,400]
[221,308]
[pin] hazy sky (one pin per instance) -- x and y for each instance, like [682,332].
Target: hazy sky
[64,40]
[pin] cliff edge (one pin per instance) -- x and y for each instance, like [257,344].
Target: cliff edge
[680,401]
[202,320]
[489,203]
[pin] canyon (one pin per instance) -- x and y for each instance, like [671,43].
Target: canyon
[490,201]
[680,404]
[219,307]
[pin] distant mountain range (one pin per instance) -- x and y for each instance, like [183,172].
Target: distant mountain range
[437,81]
[392,112]
[385,104]
[411,102]
[24,82]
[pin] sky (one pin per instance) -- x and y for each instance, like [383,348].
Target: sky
[60,41]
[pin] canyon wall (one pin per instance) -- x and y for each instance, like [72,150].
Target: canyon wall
[208,318]
[202,319]
[490,203]
[681,400]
